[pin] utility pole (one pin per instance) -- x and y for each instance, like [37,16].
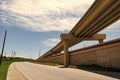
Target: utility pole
[3,47]
[39,52]
[14,54]
[11,55]
[5,54]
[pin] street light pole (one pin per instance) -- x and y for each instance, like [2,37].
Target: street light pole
[39,52]
[3,47]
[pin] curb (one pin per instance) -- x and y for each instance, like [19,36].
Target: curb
[21,73]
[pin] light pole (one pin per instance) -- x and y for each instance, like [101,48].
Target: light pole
[12,55]
[39,52]
[3,47]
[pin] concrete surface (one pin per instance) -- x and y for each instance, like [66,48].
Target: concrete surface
[31,71]
[15,74]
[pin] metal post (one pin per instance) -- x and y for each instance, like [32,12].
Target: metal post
[3,48]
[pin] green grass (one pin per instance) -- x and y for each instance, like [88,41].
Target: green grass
[3,69]
[5,65]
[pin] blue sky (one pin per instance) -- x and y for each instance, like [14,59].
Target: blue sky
[37,24]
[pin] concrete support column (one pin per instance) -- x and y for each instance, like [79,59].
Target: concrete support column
[101,41]
[66,53]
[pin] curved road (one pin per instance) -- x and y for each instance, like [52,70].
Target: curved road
[43,72]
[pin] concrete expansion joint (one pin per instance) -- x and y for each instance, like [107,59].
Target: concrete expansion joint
[22,73]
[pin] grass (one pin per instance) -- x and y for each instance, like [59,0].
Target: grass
[5,65]
[3,69]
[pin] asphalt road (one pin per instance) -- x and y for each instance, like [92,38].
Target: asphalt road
[43,72]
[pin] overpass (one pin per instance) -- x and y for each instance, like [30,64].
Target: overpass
[100,15]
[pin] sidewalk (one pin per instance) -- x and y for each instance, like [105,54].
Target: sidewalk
[14,73]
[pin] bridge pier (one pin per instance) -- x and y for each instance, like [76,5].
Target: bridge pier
[67,37]
[66,53]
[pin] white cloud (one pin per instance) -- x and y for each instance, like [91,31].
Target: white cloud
[111,30]
[38,7]
[44,15]
[115,27]
[51,42]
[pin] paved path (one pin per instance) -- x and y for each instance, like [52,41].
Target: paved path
[15,74]
[31,71]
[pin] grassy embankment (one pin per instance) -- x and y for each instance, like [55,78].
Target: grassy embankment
[5,65]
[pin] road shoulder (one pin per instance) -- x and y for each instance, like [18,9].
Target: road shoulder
[15,74]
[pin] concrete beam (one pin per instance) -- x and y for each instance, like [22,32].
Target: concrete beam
[94,37]
[95,19]
[66,36]
[58,48]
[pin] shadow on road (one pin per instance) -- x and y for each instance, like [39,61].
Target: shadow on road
[107,73]
[111,72]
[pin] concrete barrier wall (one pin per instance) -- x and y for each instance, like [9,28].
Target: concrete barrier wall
[107,55]
[54,59]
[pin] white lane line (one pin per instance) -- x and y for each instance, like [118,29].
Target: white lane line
[25,75]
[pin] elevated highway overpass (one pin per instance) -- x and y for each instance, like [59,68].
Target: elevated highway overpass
[106,54]
[100,15]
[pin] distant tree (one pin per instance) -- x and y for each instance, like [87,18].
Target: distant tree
[4,56]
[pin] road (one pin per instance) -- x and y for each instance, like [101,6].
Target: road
[43,72]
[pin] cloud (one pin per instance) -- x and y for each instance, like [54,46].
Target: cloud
[50,42]
[115,27]
[43,15]
[112,30]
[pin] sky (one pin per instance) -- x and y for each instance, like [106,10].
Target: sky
[35,26]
